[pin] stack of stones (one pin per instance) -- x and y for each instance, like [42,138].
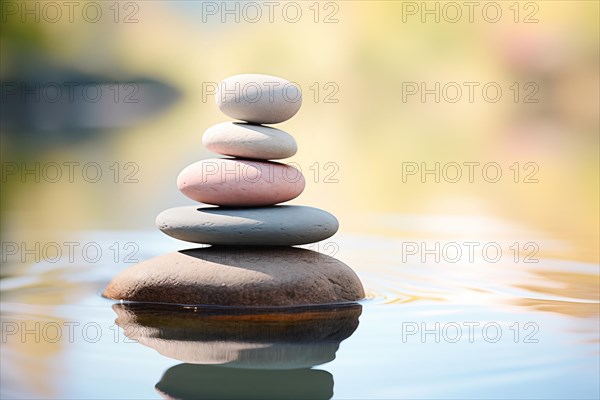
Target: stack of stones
[247,264]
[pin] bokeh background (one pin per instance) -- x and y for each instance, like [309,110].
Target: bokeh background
[361,59]
[357,129]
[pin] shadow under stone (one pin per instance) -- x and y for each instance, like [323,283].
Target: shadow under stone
[189,381]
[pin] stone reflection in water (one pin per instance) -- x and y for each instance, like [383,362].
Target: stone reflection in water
[192,381]
[288,338]
[246,353]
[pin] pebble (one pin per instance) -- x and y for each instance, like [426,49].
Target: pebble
[250,263]
[259,226]
[234,276]
[260,99]
[235,182]
[244,140]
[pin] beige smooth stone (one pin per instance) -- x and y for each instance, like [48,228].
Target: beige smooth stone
[245,140]
[257,98]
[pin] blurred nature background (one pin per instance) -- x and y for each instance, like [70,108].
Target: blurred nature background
[170,50]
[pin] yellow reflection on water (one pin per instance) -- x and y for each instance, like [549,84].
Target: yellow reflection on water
[566,284]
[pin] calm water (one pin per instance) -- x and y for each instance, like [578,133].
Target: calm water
[465,329]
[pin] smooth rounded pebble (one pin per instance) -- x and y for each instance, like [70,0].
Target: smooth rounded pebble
[260,99]
[230,276]
[259,226]
[252,338]
[240,183]
[240,139]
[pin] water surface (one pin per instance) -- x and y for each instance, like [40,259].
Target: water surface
[428,329]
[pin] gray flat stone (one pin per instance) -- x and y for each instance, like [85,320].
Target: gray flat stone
[258,226]
[230,276]
[240,139]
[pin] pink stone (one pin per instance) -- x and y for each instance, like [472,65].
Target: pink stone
[240,183]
